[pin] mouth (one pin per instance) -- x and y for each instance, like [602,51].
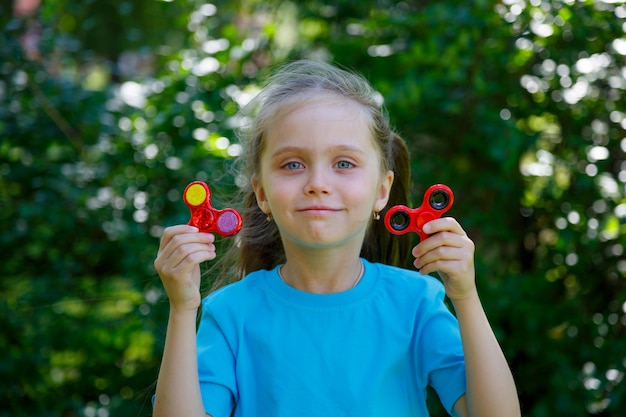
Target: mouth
[318,210]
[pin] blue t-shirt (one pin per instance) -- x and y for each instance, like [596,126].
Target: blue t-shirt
[272,350]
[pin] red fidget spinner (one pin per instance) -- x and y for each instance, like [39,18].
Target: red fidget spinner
[437,200]
[204,216]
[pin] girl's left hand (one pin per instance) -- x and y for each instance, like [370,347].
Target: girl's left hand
[450,252]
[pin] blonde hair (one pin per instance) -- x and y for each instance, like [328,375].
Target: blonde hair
[259,245]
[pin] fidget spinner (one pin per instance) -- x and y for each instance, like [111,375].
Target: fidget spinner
[204,216]
[437,200]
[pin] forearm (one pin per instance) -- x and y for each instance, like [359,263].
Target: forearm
[178,387]
[490,387]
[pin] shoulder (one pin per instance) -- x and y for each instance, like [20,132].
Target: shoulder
[406,293]
[240,292]
[408,281]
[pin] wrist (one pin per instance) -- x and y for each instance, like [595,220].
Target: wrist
[183,313]
[464,300]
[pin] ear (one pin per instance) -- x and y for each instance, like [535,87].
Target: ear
[259,192]
[384,191]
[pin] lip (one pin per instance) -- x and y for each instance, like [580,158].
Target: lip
[318,210]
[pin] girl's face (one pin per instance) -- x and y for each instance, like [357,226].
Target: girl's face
[320,175]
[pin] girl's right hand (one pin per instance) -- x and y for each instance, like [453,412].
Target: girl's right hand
[181,251]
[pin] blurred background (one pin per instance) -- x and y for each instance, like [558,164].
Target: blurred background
[109,108]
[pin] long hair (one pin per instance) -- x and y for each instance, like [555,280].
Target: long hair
[258,245]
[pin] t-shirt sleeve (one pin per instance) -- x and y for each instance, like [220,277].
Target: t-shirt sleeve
[216,365]
[441,350]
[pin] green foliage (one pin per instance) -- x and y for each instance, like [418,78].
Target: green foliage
[518,106]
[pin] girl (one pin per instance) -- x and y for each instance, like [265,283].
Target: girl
[315,320]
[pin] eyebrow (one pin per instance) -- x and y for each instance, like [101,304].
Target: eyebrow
[337,148]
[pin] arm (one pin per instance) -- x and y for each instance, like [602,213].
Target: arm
[490,387]
[180,253]
[178,389]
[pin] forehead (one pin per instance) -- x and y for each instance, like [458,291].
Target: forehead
[325,107]
[314,123]
[310,97]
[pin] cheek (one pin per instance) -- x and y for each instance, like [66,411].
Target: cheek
[363,195]
[277,192]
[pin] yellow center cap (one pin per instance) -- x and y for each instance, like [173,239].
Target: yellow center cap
[196,194]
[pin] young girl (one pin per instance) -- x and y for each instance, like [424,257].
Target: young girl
[315,320]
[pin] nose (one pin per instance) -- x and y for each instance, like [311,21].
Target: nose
[317,182]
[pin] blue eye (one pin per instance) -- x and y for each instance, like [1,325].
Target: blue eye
[344,164]
[293,165]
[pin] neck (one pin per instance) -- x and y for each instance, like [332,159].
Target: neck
[322,275]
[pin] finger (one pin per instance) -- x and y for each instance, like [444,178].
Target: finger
[438,229]
[170,271]
[180,235]
[439,239]
[172,231]
[180,246]
[441,254]
[442,224]
[192,253]
[453,266]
